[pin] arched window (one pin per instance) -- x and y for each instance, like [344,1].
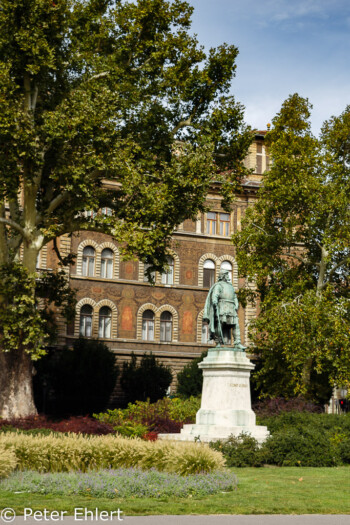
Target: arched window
[104,322]
[88,261]
[208,273]
[86,321]
[148,325]
[205,332]
[107,256]
[168,276]
[226,265]
[166,327]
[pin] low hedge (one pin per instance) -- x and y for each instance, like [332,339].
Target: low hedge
[297,439]
[84,453]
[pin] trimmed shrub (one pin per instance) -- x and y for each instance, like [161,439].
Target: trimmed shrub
[290,448]
[344,448]
[8,461]
[298,439]
[241,451]
[330,423]
[190,379]
[149,379]
[77,381]
[84,453]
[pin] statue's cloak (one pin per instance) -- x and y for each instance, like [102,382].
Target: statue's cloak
[209,312]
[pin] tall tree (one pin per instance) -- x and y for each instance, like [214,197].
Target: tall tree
[295,246]
[104,103]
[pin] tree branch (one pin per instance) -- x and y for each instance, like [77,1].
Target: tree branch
[16,227]
[183,124]
[34,98]
[97,76]
[261,229]
[57,201]
[335,268]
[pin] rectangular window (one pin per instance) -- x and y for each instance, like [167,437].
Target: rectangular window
[224,223]
[211,223]
[218,223]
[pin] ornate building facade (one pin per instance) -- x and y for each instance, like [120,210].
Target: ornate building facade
[117,304]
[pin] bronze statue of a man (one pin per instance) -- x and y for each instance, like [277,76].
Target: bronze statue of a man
[220,312]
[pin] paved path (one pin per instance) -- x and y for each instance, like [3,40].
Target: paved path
[266,519]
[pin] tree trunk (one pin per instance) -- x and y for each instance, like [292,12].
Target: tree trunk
[16,385]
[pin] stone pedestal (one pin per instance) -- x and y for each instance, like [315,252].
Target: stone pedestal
[226,405]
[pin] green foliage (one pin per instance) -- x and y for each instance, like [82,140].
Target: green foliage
[297,439]
[149,379]
[131,428]
[21,324]
[95,90]
[122,92]
[241,451]
[79,453]
[294,245]
[290,448]
[76,381]
[144,412]
[190,379]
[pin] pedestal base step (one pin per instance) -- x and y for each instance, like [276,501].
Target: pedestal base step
[207,433]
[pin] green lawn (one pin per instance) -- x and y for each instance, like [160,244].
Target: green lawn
[285,490]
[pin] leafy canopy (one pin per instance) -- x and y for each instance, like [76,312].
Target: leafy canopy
[110,104]
[294,245]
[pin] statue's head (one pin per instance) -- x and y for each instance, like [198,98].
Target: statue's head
[224,275]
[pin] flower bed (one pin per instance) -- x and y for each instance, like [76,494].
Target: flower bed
[120,483]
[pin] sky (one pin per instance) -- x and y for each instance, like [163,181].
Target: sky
[285,47]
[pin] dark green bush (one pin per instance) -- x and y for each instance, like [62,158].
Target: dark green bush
[241,451]
[303,420]
[149,379]
[75,381]
[190,379]
[297,439]
[291,448]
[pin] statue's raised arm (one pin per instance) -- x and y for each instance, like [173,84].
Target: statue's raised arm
[220,312]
